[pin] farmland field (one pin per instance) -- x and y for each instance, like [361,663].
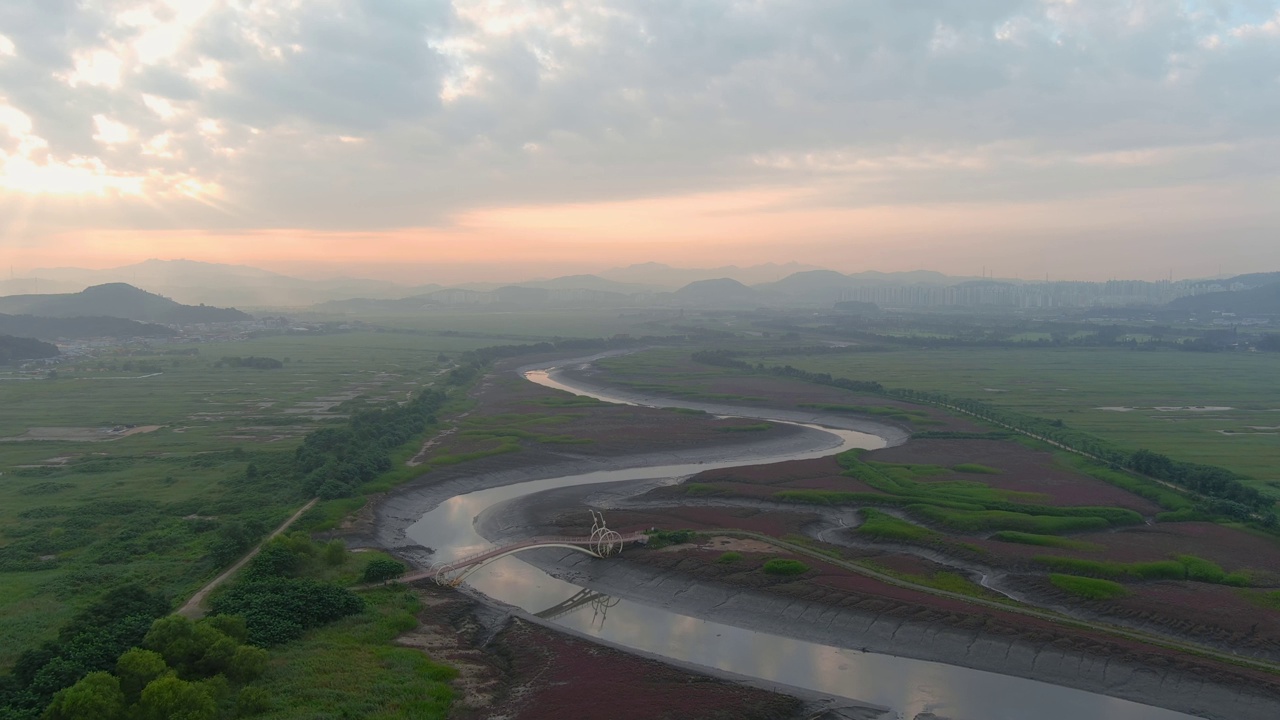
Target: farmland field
[1213,408]
[78,515]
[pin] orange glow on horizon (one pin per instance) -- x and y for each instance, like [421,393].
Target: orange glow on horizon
[707,230]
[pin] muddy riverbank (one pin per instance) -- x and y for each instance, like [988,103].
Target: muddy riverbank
[858,613]
[892,627]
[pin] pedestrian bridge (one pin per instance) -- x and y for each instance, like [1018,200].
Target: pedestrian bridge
[601,543]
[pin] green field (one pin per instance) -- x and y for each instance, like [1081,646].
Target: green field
[1073,384]
[77,516]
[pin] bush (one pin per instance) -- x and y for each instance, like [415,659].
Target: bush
[335,552]
[785,566]
[1088,588]
[277,610]
[382,570]
[729,558]
[252,701]
[663,538]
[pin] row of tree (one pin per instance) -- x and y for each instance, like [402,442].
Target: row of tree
[334,461]
[257,363]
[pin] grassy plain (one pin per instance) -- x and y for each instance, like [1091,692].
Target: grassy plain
[78,516]
[1074,384]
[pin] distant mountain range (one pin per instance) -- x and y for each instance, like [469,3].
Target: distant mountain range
[195,283]
[117,300]
[645,284]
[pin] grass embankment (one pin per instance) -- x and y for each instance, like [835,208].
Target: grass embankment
[1022,538]
[960,505]
[1088,588]
[1184,567]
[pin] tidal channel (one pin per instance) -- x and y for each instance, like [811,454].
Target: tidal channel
[905,686]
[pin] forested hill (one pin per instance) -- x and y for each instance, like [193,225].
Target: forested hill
[79,328]
[16,349]
[119,300]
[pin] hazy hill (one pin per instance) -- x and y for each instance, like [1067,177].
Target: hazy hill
[79,328]
[116,300]
[720,292]
[587,282]
[821,287]
[664,276]
[1253,280]
[910,277]
[16,349]
[194,283]
[1264,300]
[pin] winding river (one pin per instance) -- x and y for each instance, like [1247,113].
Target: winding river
[905,687]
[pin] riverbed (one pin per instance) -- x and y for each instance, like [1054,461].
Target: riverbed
[770,643]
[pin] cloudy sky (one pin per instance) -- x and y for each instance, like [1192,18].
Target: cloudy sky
[426,139]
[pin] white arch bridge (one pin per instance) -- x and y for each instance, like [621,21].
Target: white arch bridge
[602,543]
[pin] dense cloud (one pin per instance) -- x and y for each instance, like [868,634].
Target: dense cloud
[395,113]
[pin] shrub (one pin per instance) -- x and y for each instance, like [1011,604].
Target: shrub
[663,538]
[335,552]
[280,609]
[729,557]
[785,566]
[1088,588]
[251,701]
[382,570]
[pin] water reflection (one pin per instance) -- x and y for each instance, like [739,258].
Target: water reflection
[903,684]
[907,686]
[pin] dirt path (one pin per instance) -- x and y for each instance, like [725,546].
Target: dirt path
[191,608]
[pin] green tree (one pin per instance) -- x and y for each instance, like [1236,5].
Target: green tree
[335,552]
[97,696]
[195,650]
[252,700]
[247,664]
[169,698]
[382,569]
[136,668]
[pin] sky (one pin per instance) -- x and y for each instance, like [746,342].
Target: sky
[426,140]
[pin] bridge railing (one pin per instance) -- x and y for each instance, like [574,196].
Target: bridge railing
[474,558]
